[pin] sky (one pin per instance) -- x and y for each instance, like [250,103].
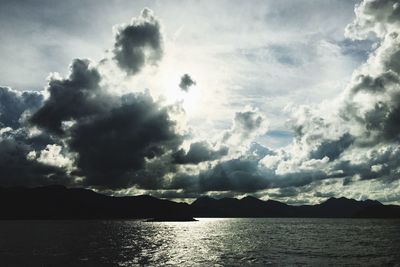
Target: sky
[296,101]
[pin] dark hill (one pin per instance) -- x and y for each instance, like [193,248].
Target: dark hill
[58,202]
[253,207]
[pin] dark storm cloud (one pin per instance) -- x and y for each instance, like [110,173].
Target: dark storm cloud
[393,64]
[332,148]
[186,82]
[114,139]
[237,175]
[112,136]
[13,104]
[15,108]
[385,120]
[198,152]
[378,84]
[37,141]
[17,169]
[113,145]
[383,10]
[16,143]
[245,174]
[138,43]
[231,175]
[73,98]
[380,113]
[381,118]
[379,164]
[242,175]
[116,142]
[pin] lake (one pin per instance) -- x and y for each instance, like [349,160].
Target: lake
[208,242]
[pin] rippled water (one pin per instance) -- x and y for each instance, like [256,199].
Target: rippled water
[208,242]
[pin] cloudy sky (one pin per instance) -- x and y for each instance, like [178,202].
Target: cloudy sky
[296,101]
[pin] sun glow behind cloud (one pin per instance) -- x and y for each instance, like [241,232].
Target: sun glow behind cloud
[191,99]
[203,101]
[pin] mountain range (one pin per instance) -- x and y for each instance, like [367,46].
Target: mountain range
[59,202]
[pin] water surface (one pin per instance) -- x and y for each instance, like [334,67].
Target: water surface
[208,242]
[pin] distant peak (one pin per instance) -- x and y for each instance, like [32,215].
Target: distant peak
[332,199]
[203,199]
[372,202]
[351,200]
[251,198]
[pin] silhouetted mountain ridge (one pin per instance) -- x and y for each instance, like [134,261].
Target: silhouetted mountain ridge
[59,202]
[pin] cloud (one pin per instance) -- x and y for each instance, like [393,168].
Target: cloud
[373,99]
[110,138]
[52,156]
[376,16]
[186,82]
[354,137]
[247,125]
[17,168]
[17,142]
[230,175]
[72,98]
[332,148]
[257,151]
[344,138]
[233,175]
[13,104]
[199,152]
[138,43]
[111,146]
[248,121]
[89,135]
[106,140]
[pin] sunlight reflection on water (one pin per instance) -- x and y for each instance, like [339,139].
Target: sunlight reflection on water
[216,242]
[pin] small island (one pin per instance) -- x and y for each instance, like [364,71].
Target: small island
[172,219]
